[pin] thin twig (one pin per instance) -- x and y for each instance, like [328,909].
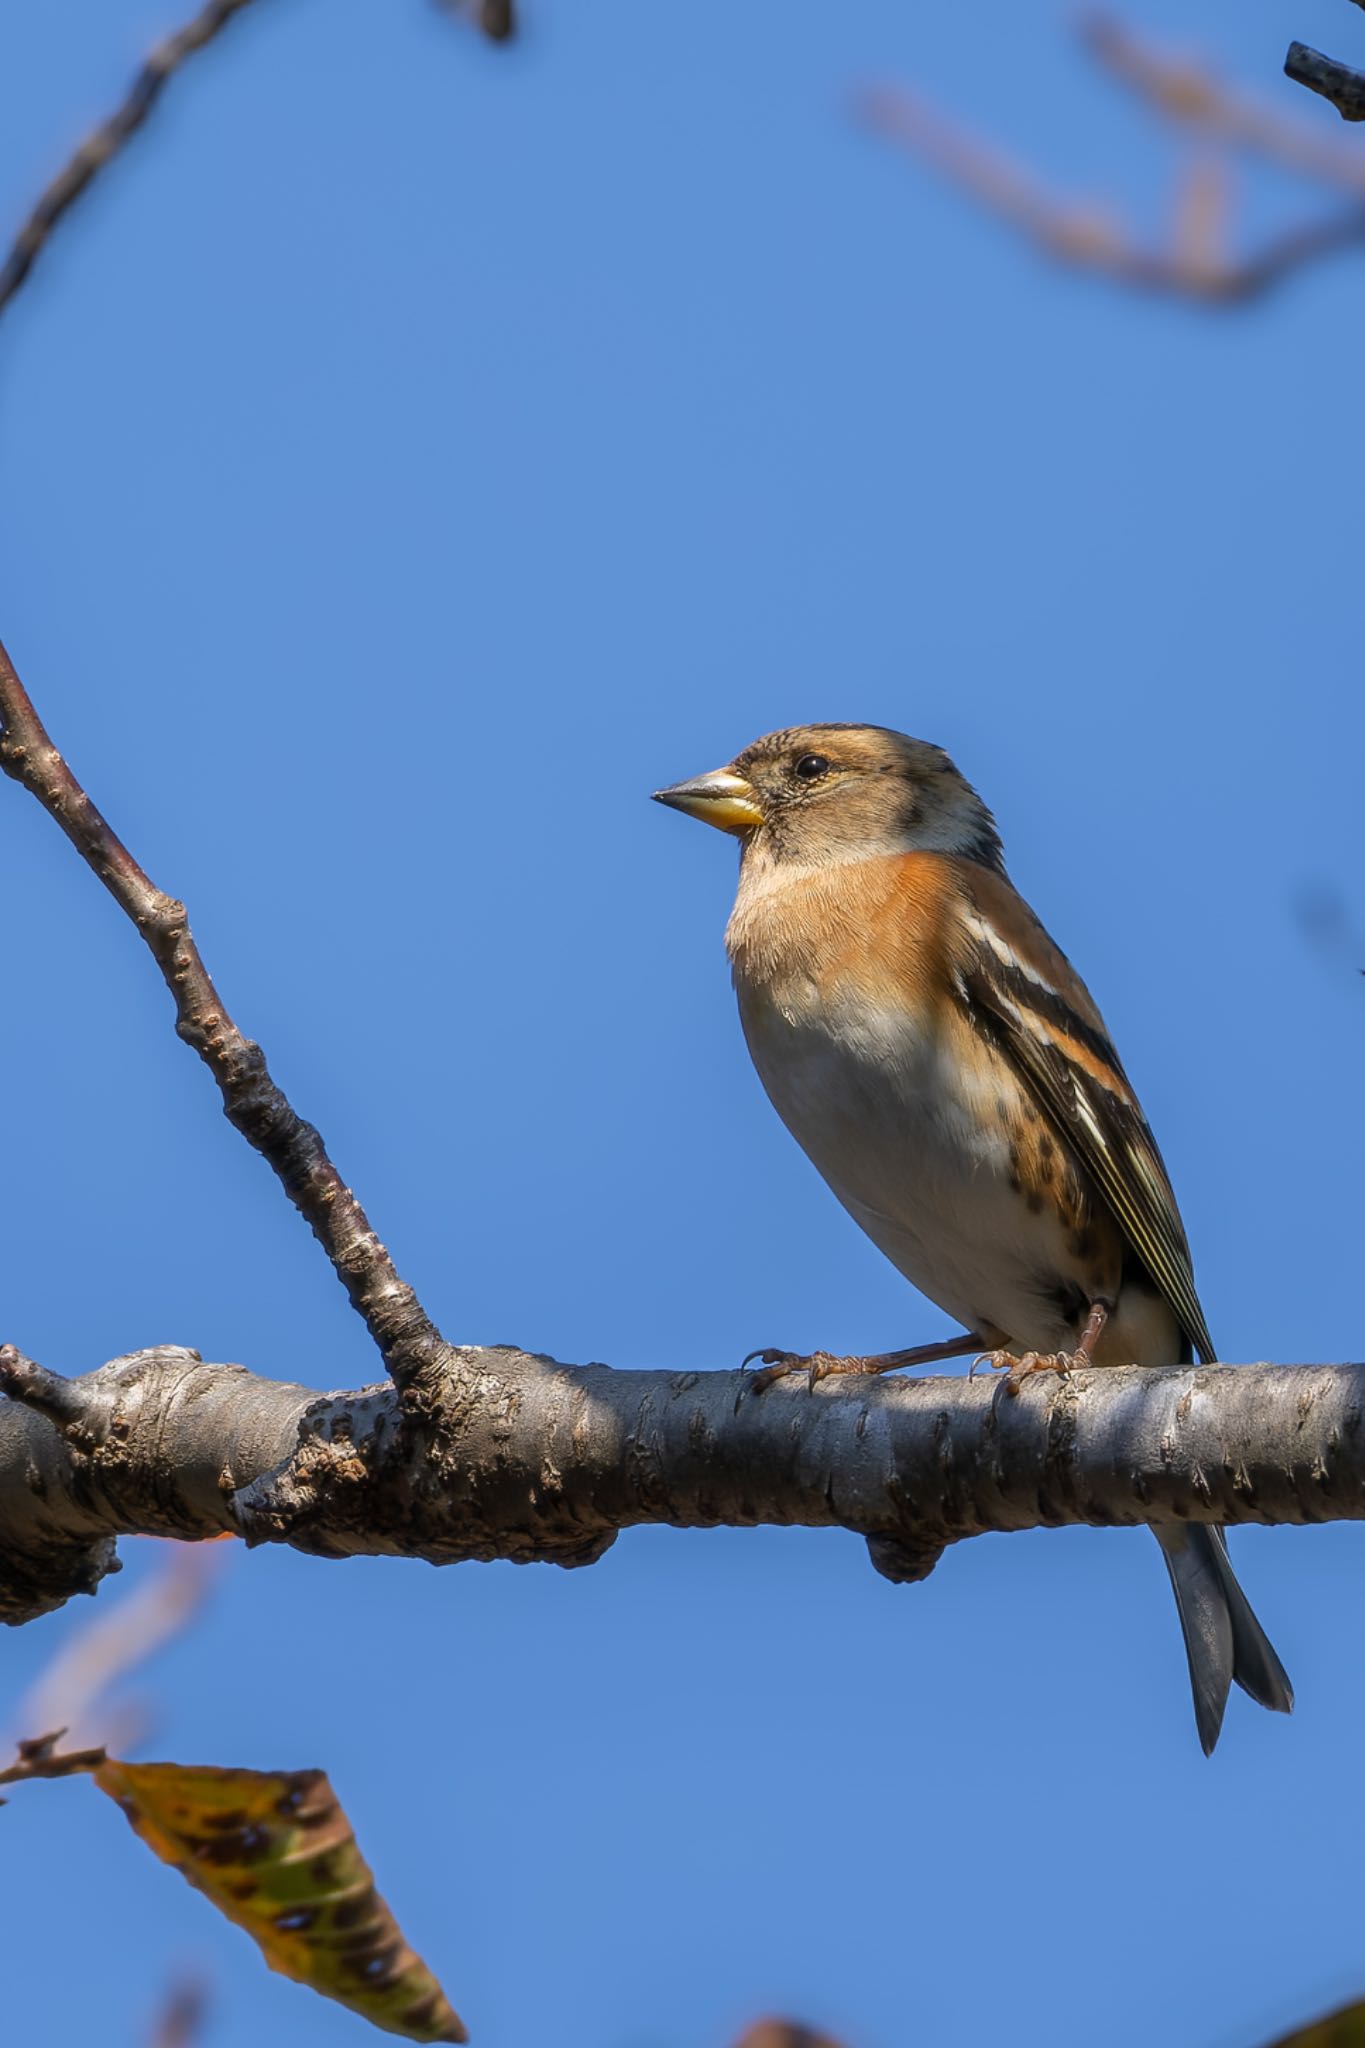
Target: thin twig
[97,149]
[411,1345]
[1339,83]
[495,19]
[39,1757]
[1184,91]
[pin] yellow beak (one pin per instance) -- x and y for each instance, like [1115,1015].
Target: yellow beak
[722,799]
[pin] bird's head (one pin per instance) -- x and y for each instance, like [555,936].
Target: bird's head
[817,794]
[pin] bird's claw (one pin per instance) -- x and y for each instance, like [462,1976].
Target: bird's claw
[754,1383]
[1018,1368]
[779,1365]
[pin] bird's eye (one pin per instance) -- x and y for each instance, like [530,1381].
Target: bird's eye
[811,767]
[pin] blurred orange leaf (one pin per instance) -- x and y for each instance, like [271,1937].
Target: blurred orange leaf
[784,2034]
[274,1851]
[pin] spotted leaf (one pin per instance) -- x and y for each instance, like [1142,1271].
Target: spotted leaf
[274,1851]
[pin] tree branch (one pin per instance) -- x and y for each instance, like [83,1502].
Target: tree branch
[519,1457]
[411,1345]
[495,19]
[97,149]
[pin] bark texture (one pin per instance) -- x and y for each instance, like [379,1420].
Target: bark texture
[515,1456]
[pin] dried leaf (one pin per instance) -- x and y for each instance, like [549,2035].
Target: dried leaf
[275,1853]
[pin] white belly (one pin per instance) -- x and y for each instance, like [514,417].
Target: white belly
[915,1150]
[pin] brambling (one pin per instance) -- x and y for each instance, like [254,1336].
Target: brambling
[941,1063]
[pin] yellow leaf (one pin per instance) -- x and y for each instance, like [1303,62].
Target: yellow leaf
[275,1853]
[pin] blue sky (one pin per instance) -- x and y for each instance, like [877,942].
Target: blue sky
[414,454]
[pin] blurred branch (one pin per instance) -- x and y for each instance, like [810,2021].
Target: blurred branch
[410,1343]
[72,1690]
[495,19]
[1187,92]
[1339,83]
[522,1458]
[181,2019]
[1195,261]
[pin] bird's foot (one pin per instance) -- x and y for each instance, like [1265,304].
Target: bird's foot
[1019,1367]
[816,1365]
[820,1365]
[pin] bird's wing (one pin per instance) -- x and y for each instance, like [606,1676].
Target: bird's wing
[1023,992]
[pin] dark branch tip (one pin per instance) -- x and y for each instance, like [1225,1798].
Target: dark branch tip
[1337,82]
[33,1748]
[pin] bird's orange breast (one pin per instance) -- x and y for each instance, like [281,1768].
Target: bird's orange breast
[879,930]
[846,981]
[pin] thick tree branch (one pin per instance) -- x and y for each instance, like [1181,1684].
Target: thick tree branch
[411,1345]
[519,1457]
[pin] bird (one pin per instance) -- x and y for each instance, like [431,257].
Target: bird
[943,1066]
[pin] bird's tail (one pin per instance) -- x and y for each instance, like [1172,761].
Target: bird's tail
[1223,1639]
